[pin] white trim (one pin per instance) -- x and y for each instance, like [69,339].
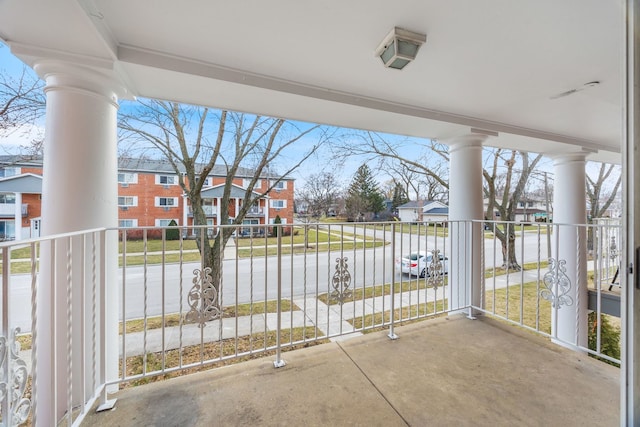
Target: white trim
[273,206]
[159,176]
[247,181]
[282,185]
[134,201]
[134,223]
[128,178]
[15,171]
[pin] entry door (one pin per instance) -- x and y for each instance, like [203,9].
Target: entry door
[35,228]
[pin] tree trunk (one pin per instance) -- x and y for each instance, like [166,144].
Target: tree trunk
[204,296]
[507,238]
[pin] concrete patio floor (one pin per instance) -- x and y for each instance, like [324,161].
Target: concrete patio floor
[441,372]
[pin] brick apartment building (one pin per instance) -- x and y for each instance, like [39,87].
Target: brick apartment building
[148,196]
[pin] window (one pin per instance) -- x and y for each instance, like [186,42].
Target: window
[166,179]
[8,198]
[164,222]
[280,185]
[9,171]
[127,178]
[247,181]
[206,183]
[166,201]
[7,230]
[127,201]
[127,223]
[251,231]
[278,204]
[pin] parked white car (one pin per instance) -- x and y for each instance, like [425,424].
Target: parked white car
[419,264]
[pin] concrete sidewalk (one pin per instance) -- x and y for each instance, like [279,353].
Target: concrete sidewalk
[331,320]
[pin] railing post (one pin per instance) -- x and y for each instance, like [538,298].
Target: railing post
[279,363]
[392,334]
[104,403]
[470,276]
[6,335]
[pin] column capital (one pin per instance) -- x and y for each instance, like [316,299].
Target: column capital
[97,81]
[463,141]
[565,158]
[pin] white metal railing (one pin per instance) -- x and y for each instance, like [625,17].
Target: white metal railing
[558,294]
[278,287]
[53,297]
[254,210]
[208,210]
[7,209]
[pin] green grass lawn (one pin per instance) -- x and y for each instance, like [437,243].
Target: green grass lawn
[381,290]
[258,246]
[524,306]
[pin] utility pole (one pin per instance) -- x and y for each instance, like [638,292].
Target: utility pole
[546,199]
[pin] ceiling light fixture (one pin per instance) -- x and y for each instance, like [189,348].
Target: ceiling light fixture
[400,47]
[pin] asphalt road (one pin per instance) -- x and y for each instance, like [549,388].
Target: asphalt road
[157,288]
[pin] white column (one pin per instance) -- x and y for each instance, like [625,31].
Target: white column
[237,207]
[569,250]
[18,216]
[465,204]
[79,192]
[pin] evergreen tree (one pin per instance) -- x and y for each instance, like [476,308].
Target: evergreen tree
[363,195]
[399,196]
[277,220]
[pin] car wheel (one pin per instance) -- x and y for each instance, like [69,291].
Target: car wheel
[423,273]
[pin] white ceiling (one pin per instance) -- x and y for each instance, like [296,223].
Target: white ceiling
[492,64]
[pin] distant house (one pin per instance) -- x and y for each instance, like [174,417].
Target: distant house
[528,210]
[423,211]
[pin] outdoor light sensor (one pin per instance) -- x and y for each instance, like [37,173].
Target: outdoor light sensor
[400,47]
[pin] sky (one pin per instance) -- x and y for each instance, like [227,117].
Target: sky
[13,66]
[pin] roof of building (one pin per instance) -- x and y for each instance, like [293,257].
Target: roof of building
[431,204]
[25,183]
[438,211]
[415,204]
[130,164]
[218,191]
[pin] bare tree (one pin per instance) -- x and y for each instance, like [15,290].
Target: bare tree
[22,105]
[503,191]
[602,190]
[426,162]
[320,193]
[193,140]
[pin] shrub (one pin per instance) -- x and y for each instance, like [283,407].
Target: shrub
[609,340]
[172,233]
[277,220]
